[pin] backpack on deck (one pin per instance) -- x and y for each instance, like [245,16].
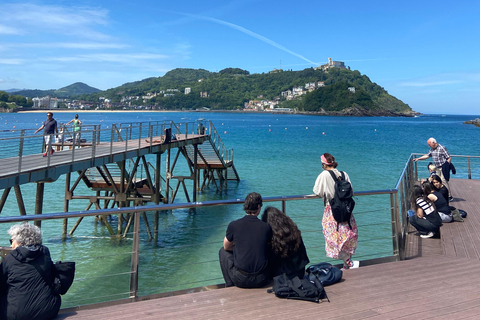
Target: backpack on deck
[325,273]
[342,203]
[299,289]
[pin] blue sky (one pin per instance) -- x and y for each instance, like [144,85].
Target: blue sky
[426,53]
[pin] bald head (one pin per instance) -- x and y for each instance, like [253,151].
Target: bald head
[432,143]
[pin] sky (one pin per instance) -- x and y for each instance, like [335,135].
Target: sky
[425,53]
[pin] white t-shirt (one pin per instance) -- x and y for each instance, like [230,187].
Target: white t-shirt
[325,186]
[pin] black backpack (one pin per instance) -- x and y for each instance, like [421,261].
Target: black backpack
[299,289]
[342,202]
[325,273]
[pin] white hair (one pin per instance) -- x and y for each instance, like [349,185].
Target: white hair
[26,234]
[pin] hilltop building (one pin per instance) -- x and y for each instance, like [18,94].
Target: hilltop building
[331,64]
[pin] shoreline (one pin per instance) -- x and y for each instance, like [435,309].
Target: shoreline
[341,114]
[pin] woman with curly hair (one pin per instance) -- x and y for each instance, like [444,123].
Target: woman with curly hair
[26,277]
[289,255]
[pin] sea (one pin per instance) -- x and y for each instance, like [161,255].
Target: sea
[274,155]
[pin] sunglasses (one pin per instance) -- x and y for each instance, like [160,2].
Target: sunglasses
[11,241]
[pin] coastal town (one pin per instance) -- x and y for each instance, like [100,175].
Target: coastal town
[143,102]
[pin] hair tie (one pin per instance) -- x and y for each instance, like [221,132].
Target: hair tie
[324,160]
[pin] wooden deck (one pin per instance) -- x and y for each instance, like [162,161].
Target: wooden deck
[437,281]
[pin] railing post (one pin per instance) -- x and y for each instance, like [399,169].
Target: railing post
[139,135]
[74,143]
[20,150]
[135,254]
[469,169]
[126,139]
[94,142]
[396,226]
[284,206]
[112,137]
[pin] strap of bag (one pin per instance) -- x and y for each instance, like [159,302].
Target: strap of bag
[43,275]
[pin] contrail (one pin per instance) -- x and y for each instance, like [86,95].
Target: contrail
[250,33]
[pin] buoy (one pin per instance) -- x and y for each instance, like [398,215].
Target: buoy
[225,132]
[323,133]
[306,128]
[285,128]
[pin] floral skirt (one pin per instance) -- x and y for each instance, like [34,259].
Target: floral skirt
[343,241]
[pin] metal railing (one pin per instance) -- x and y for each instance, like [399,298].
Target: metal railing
[120,137]
[389,212]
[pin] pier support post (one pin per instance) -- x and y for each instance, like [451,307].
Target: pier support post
[21,204]
[39,202]
[66,203]
[4,198]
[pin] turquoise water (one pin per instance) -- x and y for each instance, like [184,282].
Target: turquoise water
[274,155]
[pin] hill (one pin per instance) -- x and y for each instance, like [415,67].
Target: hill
[78,88]
[231,88]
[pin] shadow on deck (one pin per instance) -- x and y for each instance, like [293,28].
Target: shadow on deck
[437,281]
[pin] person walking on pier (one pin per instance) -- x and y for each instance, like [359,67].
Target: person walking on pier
[26,277]
[244,255]
[441,159]
[76,128]
[340,238]
[49,128]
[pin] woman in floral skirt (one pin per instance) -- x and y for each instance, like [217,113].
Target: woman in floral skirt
[340,238]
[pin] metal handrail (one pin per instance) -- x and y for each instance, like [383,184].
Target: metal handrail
[399,202]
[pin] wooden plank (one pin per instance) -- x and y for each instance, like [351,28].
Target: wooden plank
[383,291]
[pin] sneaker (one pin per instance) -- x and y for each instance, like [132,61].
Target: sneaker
[45,154]
[351,264]
[450,198]
[429,235]
[52,151]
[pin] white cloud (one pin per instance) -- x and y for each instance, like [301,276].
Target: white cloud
[31,19]
[443,79]
[68,45]
[250,33]
[428,83]
[8,30]
[131,58]
[11,61]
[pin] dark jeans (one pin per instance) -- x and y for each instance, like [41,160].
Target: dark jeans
[236,277]
[422,225]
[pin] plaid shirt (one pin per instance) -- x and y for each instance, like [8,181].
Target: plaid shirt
[439,155]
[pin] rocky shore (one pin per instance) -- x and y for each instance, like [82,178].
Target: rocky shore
[475,122]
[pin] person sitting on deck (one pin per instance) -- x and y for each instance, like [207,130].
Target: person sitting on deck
[426,218]
[289,255]
[244,255]
[26,277]
[437,198]
[438,185]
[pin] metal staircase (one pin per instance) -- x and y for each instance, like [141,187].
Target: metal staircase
[214,159]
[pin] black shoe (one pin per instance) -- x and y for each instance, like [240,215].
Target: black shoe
[450,198]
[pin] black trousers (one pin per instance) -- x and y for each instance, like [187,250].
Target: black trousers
[236,277]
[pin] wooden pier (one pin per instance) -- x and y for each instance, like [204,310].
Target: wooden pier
[438,280]
[117,165]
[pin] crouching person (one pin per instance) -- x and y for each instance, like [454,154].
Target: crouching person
[244,256]
[25,277]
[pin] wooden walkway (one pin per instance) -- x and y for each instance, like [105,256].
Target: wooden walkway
[437,281]
[35,167]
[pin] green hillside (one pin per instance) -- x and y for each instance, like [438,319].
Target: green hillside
[78,88]
[230,88]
